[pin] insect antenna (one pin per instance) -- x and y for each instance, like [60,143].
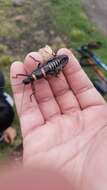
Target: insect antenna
[34,59]
[17,75]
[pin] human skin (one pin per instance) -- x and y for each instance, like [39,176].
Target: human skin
[32,179]
[9,135]
[65,125]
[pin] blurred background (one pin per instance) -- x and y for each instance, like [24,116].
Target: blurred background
[27,25]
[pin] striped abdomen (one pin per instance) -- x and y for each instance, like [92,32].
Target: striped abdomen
[52,67]
[57,62]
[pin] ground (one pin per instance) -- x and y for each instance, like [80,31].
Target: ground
[97,11]
[27,25]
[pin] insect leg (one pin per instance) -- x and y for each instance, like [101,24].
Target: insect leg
[31,96]
[39,64]
[57,71]
[34,59]
[33,92]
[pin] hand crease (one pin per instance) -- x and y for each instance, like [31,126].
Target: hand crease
[45,99]
[69,73]
[62,92]
[84,89]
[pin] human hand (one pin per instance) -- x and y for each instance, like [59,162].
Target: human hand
[9,135]
[65,127]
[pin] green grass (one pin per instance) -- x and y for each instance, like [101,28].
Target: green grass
[9,31]
[72,23]
[17,24]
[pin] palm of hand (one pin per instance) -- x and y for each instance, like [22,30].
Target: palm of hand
[59,127]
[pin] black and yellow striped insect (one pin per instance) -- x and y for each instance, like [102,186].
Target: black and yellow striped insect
[51,67]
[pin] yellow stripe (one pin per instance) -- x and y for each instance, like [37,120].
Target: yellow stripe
[34,77]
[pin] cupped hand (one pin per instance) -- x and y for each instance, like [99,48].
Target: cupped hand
[64,125]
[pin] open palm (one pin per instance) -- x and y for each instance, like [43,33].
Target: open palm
[63,124]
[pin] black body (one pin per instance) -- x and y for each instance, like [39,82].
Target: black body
[51,67]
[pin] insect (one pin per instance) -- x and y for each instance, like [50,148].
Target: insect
[51,67]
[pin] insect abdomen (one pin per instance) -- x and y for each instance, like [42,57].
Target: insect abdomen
[53,66]
[59,61]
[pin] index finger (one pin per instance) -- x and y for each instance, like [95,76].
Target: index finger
[79,82]
[29,113]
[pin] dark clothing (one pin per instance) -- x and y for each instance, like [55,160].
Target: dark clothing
[6,110]
[6,114]
[2,82]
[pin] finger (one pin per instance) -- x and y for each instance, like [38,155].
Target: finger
[7,139]
[9,135]
[63,94]
[79,82]
[28,111]
[43,92]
